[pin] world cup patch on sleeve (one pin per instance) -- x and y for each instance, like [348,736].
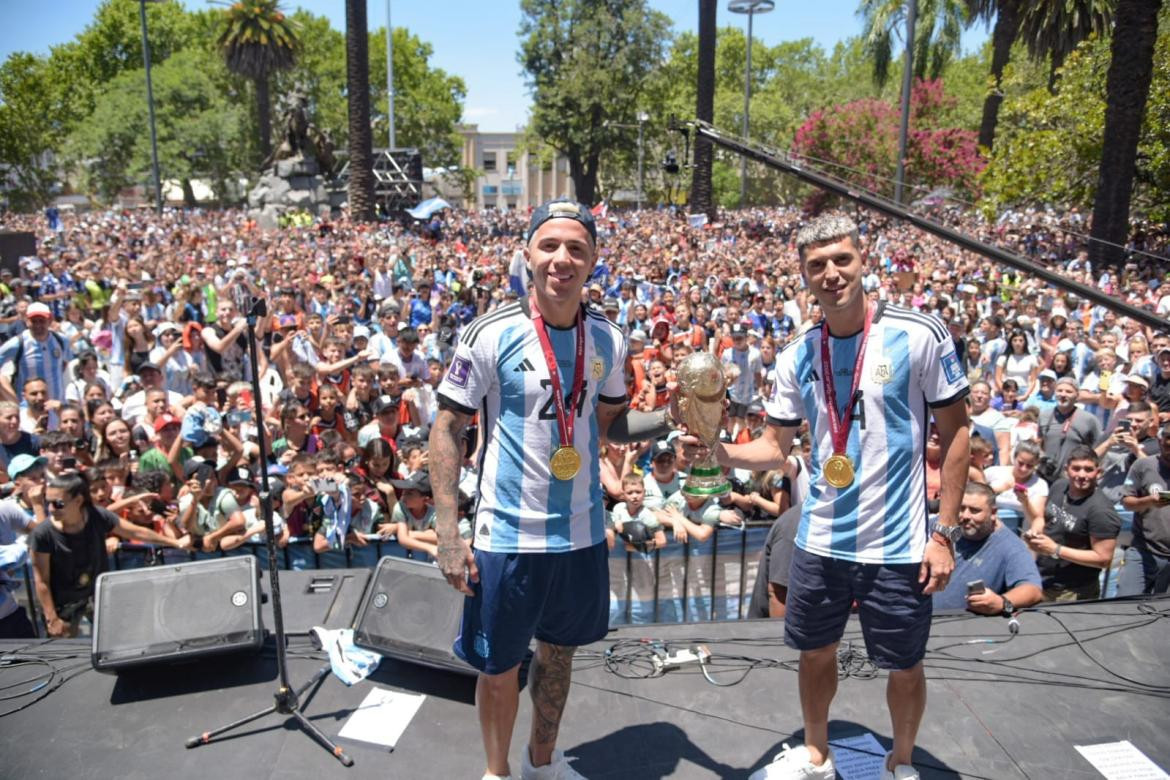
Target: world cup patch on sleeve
[951,367]
[459,372]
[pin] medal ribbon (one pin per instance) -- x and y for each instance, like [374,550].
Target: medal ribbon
[838,423]
[565,417]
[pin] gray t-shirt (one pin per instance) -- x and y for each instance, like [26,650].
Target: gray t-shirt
[775,560]
[1151,529]
[1060,434]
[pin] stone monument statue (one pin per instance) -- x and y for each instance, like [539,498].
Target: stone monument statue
[293,177]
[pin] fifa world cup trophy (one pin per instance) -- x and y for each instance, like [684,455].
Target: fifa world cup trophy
[701,390]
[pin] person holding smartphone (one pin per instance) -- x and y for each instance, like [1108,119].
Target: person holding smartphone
[995,573]
[1145,493]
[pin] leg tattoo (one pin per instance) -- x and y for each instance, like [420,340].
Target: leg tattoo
[549,678]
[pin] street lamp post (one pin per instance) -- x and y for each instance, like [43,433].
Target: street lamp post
[642,117]
[150,106]
[751,8]
[390,74]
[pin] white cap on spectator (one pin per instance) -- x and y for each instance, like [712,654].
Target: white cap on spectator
[38,310]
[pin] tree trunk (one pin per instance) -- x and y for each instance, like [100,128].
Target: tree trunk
[701,195]
[361,153]
[584,177]
[1127,87]
[189,194]
[1055,63]
[264,117]
[1007,26]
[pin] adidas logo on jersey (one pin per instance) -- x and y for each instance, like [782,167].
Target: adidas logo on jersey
[525,365]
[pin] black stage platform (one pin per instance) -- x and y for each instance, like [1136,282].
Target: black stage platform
[1011,710]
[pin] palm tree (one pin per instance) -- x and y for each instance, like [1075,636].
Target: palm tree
[357,90]
[938,28]
[1053,28]
[256,41]
[1003,36]
[702,201]
[1127,87]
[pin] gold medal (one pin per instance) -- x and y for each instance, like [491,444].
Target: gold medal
[838,471]
[565,462]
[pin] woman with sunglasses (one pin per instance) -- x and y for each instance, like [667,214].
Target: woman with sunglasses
[295,421]
[69,551]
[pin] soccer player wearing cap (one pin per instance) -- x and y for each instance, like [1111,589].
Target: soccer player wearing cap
[35,353]
[546,376]
[867,378]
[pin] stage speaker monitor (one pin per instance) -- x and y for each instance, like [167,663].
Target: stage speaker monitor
[412,614]
[176,612]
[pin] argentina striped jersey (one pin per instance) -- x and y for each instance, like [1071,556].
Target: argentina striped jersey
[499,370]
[910,366]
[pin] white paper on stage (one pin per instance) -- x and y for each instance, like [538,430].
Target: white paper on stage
[1121,761]
[382,717]
[859,757]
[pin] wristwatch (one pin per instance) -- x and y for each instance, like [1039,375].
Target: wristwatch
[1009,608]
[949,533]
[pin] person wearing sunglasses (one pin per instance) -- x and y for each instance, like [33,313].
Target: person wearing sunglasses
[69,551]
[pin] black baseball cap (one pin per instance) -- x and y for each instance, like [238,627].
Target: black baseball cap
[566,209]
[661,447]
[419,480]
[242,475]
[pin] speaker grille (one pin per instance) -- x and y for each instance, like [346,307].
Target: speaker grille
[177,610]
[411,613]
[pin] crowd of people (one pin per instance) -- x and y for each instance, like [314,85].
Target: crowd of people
[127,408]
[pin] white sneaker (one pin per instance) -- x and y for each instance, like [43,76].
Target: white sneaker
[794,763]
[901,771]
[557,769]
[497,777]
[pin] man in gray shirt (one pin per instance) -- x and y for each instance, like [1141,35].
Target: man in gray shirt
[1067,426]
[1146,493]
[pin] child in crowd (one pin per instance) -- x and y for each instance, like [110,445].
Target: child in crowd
[414,515]
[638,525]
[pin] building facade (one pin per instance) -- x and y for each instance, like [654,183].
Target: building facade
[511,177]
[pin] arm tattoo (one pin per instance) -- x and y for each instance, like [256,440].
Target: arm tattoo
[549,679]
[446,458]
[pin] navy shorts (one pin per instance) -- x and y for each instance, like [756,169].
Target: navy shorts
[560,598]
[895,615]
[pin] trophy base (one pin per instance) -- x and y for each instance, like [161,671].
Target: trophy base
[706,481]
[716,490]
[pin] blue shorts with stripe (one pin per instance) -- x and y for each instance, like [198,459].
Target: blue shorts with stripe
[895,615]
[559,598]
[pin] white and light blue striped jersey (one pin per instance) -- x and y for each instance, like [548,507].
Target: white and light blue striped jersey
[743,389]
[47,360]
[499,370]
[910,366]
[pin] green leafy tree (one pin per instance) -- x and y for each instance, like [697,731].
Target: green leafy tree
[361,153]
[257,40]
[938,27]
[1049,148]
[428,101]
[198,130]
[587,62]
[1051,29]
[30,91]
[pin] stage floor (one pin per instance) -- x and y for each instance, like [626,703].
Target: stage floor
[1018,718]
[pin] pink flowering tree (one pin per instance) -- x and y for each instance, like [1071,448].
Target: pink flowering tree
[858,142]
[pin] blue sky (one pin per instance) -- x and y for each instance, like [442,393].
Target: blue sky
[475,39]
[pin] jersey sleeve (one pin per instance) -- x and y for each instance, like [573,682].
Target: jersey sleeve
[785,406]
[613,390]
[468,378]
[942,376]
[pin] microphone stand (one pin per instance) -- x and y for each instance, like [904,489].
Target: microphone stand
[287,700]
